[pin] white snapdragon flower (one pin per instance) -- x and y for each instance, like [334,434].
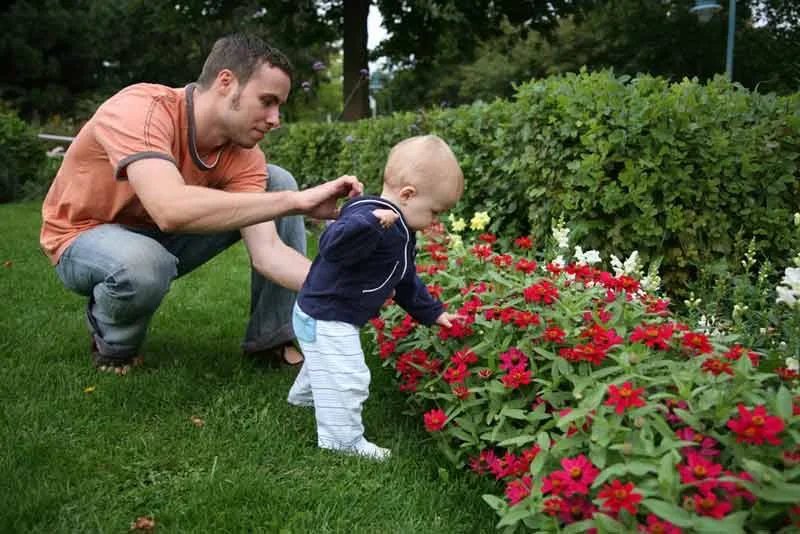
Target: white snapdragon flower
[793,364]
[738,310]
[561,235]
[651,282]
[789,288]
[629,267]
[797,219]
[558,262]
[590,257]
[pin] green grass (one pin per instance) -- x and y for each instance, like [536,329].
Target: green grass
[72,461]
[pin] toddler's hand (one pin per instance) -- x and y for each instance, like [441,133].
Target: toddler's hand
[386,217]
[446,319]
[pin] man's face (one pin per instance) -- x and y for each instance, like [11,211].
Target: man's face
[253,109]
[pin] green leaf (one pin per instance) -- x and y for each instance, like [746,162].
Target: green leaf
[514,516]
[578,528]
[668,511]
[607,524]
[494,501]
[732,524]
[517,441]
[514,413]
[783,404]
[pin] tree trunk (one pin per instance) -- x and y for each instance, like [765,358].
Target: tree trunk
[356,86]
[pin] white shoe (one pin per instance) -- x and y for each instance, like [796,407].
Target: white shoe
[366,449]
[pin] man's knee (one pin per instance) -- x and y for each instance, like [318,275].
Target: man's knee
[279,179]
[142,280]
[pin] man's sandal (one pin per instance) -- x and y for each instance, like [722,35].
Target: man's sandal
[275,357]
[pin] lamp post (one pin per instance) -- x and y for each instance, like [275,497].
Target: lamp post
[705,9]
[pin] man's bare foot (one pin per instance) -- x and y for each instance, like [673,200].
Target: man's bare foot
[119,369]
[292,356]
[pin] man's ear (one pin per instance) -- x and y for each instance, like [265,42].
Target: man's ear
[226,81]
[407,193]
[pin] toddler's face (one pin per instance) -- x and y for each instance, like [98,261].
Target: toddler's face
[421,209]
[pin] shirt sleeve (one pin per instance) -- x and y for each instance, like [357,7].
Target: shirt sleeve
[134,125]
[412,295]
[351,238]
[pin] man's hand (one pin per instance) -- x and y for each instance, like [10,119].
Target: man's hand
[446,319]
[386,217]
[320,201]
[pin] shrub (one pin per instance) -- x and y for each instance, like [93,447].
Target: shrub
[675,171]
[588,401]
[23,156]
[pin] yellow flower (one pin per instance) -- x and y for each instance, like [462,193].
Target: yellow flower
[457,225]
[89,389]
[479,220]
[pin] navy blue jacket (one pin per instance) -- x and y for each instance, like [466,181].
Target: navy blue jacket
[360,263]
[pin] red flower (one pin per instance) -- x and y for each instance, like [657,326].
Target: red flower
[513,357]
[435,291]
[556,483]
[787,374]
[503,260]
[387,349]
[465,356]
[516,377]
[485,374]
[589,353]
[554,334]
[487,238]
[737,351]
[698,469]
[580,473]
[518,489]
[618,496]
[525,266]
[523,242]
[434,420]
[705,444]
[456,375]
[697,343]
[716,367]
[757,426]
[657,526]
[707,504]
[482,252]
[544,292]
[462,392]
[624,397]
[653,335]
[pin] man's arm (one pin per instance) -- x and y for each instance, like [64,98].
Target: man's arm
[272,258]
[177,207]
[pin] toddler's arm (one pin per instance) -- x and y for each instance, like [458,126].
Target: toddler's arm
[352,238]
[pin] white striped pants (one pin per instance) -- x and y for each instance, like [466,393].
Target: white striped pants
[334,379]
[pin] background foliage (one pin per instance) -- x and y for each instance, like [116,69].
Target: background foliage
[673,170]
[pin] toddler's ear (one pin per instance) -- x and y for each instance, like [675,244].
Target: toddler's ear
[408,192]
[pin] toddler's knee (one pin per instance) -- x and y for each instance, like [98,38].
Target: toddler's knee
[280,179]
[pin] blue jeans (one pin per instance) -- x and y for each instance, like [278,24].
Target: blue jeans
[126,272]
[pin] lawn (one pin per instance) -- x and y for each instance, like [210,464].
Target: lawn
[89,452]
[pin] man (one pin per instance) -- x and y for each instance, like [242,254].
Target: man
[160,180]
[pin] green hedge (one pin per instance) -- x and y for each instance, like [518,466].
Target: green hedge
[673,170]
[22,156]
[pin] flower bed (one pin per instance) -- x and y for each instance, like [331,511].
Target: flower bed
[588,401]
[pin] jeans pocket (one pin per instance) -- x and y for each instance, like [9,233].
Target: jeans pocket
[305,326]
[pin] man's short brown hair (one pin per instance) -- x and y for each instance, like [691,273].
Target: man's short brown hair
[241,54]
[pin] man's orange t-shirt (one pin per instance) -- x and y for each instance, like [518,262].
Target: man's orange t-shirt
[141,121]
